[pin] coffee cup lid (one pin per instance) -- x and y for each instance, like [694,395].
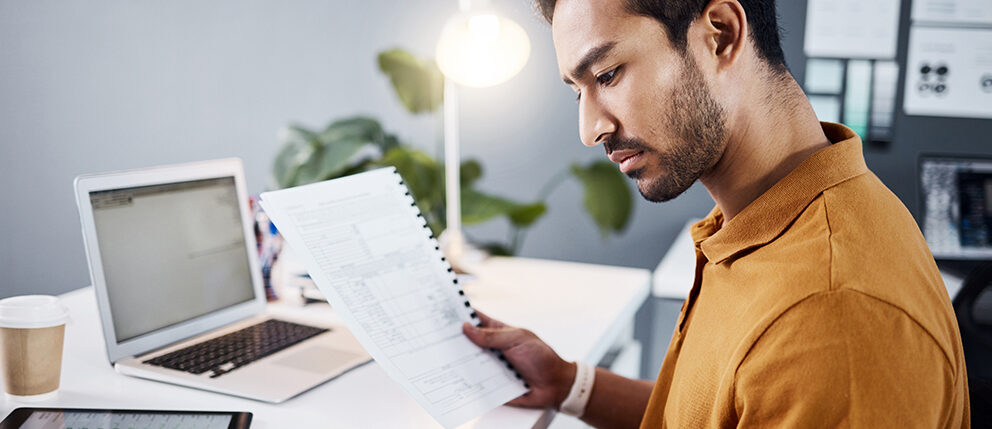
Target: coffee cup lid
[32,311]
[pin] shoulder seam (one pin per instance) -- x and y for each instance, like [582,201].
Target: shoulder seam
[933,340]
[830,243]
[947,359]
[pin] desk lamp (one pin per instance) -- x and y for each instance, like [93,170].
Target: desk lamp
[477,48]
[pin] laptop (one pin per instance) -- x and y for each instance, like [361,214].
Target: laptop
[173,261]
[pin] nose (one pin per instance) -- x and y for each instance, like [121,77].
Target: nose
[595,122]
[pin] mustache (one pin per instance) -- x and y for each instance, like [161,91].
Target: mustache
[614,143]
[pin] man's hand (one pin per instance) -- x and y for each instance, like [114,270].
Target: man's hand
[548,375]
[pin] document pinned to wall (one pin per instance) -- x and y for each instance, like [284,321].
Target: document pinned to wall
[953,11]
[949,72]
[885,86]
[857,97]
[367,247]
[852,28]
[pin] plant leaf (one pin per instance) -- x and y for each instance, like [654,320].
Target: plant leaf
[420,172]
[343,146]
[607,197]
[423,176]
[526,214]
[359,127]
[470,172]
[330,160]
[285,168]
[297,147]
[478,207]
[389,142]
[418,83]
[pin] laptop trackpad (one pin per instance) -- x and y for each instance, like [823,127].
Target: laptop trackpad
[317,359]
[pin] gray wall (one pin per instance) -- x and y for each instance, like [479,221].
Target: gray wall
[88,86]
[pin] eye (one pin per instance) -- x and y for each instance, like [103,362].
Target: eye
[607,78]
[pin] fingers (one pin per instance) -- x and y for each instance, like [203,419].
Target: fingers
[526,400]
[494,338]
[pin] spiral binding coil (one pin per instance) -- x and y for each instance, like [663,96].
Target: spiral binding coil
[451,271]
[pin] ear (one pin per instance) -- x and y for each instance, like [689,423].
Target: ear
[725,29]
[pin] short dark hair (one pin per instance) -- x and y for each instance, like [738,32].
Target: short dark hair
[676,15]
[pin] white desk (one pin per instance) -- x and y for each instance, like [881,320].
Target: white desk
[581,310]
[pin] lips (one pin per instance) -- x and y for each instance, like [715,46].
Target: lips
[621,155]
[625,158]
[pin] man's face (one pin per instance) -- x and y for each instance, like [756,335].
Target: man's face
[645,101]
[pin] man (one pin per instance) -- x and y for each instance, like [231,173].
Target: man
[816,302]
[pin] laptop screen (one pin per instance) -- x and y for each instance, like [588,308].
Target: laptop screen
[957,207]
[171,252]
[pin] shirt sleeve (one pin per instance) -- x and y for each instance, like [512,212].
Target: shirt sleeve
[845,359]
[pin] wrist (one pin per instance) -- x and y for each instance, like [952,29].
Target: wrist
[580,392]
[565,379]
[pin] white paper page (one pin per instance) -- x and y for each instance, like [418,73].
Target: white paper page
[852,28]
[949,72]
[371,256]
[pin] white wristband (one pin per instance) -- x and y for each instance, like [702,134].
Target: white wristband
[575,404]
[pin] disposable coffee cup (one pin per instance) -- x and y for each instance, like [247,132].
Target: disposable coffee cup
[32,330]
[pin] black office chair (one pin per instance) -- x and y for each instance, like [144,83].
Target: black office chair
[973,307]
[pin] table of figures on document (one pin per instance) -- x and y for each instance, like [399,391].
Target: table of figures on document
[138,420]
[378,258]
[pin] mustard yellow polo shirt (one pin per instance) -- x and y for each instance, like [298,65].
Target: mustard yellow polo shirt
[819,305]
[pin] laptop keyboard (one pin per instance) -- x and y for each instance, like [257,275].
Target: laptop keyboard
[232,351]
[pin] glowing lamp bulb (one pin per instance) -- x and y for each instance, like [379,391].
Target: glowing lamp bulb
[482,49]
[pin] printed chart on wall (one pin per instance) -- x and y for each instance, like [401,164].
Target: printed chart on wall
[950,72]
[949,64]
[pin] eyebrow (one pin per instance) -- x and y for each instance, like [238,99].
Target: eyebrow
[590,58]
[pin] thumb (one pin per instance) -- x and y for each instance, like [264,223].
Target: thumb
[489,322]
[493,338]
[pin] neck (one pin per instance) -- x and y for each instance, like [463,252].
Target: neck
[764,145]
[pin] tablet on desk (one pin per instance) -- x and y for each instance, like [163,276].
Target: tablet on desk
[73,418]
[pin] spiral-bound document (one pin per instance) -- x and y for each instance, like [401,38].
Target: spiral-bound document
[368,249]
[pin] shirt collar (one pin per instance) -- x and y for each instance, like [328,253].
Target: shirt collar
[771,213]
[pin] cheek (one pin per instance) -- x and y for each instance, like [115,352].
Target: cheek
[645,115]
[643,103]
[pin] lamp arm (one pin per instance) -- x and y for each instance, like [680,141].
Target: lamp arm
[452,166]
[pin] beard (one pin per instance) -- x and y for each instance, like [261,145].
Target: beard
[698,123]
